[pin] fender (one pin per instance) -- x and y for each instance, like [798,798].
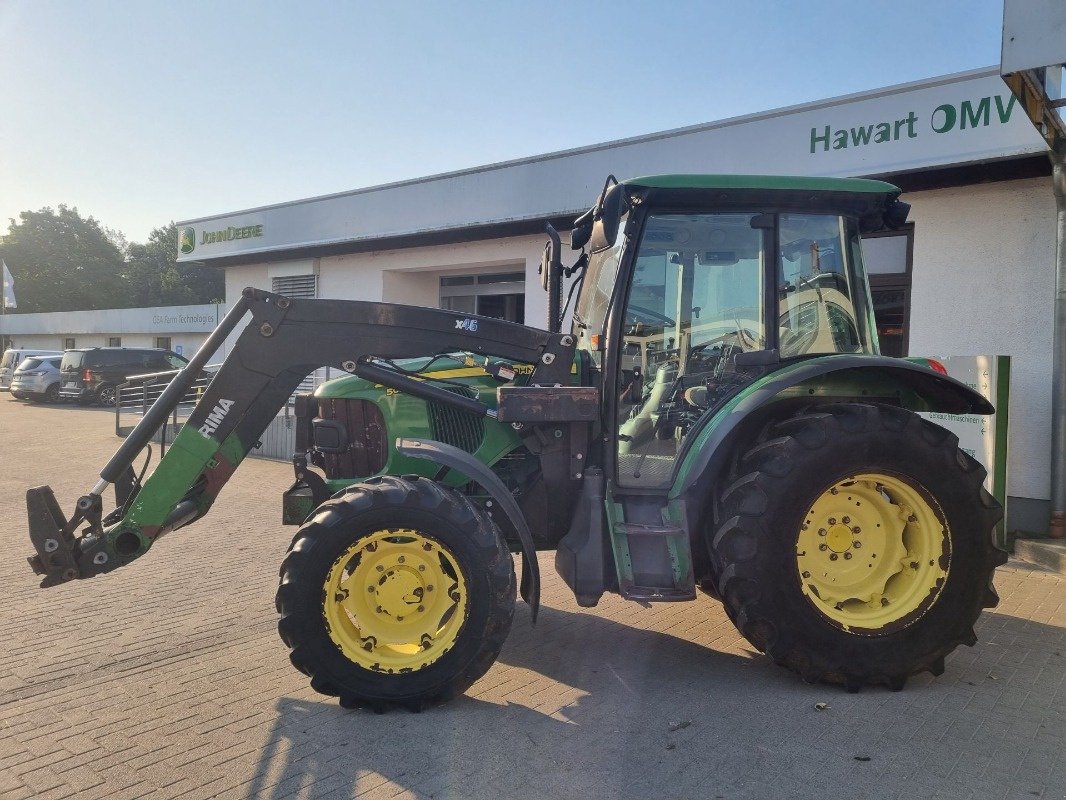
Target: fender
[917,387]
[461,461]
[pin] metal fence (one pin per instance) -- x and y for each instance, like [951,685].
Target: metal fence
[137,395]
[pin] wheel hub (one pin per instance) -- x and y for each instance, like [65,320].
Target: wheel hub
[395,600]
[873,553]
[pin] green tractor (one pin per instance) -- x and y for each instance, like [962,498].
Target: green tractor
[715,418]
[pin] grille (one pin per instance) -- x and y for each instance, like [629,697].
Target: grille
[296,286]
[458,428]
[368,443]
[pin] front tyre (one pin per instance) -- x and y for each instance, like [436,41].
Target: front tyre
[855,545]
[399,592]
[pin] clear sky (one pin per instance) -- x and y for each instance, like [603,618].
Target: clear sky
[139,113]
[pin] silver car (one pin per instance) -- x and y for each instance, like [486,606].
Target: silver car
[37,378]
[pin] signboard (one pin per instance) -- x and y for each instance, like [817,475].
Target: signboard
[946,121]
[983,437]
[1034,34]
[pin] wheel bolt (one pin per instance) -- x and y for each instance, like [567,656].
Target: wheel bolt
[370,589]
[884,601]
[399,619]
[832,520]
[834,490]
[380,568]
[832,556]
[856,530]
[429,588]
[421,567]
[806,574]
[856,545]
[421,608]
[847,556]
[822,531]
[846,520]
[400,560]
[823,546]
[427,547]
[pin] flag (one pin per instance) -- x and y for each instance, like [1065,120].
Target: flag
[9,287]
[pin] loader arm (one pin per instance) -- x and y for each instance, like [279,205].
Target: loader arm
[284,341]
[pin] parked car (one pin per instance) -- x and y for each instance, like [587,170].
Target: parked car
[92,375]
[15,356]
[37,378]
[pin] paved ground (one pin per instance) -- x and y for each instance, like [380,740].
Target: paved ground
[167,679]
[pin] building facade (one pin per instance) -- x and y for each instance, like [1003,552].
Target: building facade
[971,274]
[179,328]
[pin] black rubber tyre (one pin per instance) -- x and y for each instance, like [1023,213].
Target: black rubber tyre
[436,512]
[51,394]
[762,508]
[107,396]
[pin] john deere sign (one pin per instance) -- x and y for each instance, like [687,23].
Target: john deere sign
[187,242]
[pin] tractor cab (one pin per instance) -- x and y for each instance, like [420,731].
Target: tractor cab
[697,285]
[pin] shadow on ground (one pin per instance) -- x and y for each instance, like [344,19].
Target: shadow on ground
[652,715]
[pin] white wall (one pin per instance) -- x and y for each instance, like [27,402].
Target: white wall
[984,283]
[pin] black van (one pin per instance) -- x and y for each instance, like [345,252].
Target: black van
[90,375]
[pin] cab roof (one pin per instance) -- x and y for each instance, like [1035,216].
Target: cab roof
[763,182]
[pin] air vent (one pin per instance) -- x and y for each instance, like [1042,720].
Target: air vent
[296,286]
[458,428]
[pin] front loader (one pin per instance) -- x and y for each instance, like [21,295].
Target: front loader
[715,418]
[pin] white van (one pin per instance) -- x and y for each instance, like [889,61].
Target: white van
[13,357]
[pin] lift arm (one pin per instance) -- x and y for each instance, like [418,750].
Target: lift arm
[284,341]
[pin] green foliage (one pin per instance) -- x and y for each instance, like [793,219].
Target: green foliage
[61,261]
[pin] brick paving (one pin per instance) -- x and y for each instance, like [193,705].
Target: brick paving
[167,679]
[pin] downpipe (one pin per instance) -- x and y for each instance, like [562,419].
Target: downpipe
[1057,527]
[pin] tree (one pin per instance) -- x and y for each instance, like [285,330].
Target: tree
[156,279]
[62,261]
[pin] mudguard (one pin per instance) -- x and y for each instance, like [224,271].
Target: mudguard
[917,387]
[452,457]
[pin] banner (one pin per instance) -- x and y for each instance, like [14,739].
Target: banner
[9,287]
[983,438]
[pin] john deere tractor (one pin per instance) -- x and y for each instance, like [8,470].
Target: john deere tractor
[714,417]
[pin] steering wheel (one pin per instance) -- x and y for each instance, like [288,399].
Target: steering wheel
[634,312]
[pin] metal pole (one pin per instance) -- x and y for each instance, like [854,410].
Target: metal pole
[1058,391]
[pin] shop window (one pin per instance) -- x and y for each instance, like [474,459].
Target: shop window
[296,286]
[162,342]
[68,343]
[888,258]
[500,295]
[114,341]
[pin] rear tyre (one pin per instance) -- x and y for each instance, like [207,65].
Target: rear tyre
[854,545]
[398,593]
[51,394]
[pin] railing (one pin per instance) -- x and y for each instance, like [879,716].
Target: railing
[136,396]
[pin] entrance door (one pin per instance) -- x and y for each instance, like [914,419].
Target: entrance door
[500,295]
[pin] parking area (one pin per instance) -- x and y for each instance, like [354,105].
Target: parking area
[167,679]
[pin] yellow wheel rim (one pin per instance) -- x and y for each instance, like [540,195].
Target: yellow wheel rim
[873,553]
[395,601]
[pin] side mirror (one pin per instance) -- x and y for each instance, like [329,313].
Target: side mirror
[607,218]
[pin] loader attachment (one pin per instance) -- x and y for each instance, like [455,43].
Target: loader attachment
[284,341]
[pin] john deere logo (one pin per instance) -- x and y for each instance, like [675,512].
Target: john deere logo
[187,240]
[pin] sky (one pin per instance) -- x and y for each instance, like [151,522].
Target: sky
[139,113]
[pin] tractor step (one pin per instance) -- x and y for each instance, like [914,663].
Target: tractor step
[660,568]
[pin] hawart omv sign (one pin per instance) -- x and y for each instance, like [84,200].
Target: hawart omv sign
[947,121]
